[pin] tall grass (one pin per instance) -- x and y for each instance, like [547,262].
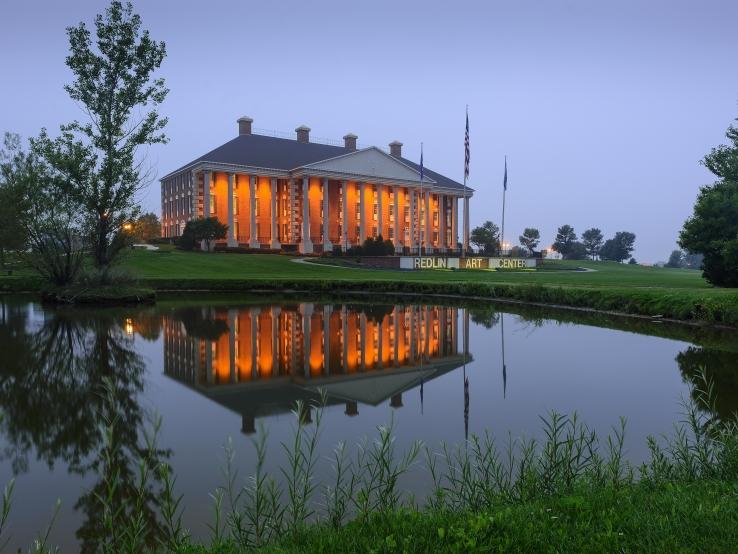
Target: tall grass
[367,480]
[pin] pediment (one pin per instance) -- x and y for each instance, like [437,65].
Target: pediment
[371,163]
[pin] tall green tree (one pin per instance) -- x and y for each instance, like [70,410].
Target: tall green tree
[530,239]
[676,259]
[486,237]
[13,206]
[44,217]
[618,248]
[146,227]
[712,230]
[98,160]
[565,239]
[592,240]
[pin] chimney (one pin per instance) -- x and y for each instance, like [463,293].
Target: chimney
[349,141]
[303,133]
[244,125]
[396,148]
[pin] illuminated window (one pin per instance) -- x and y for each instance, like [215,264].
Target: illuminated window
[235,205]
[212,205]
[391,233]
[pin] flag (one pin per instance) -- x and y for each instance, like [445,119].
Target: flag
[466,147]
[421,162]
[504,181]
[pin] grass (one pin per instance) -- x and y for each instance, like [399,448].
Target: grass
[671,293]
[572,491]
[648,291]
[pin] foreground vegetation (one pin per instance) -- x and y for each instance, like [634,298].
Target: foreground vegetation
[572,491]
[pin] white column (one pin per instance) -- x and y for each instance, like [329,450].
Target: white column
[253,240]
[362,213]
[396,210]
[205,200]
[344,238]
[466,223]
[428,223]
[455,222]
[306,245]
[292,214]
[327,245]
[442,242]
[380,213]
[231,228]
[274,205]
[412,221]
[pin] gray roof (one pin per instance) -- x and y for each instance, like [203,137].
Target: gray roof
[286,155]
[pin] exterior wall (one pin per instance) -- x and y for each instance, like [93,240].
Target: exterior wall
[179,205]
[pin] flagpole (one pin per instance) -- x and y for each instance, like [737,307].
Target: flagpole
[504,191]
[464,236]
[420,207]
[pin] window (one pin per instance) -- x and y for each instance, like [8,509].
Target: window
[391,233]
[235,205]
[256,205]
[212,204]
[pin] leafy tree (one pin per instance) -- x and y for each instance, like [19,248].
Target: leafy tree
[530,239]
[51,230]
[577,251]
[632,261]
[98,161]
[147,227]
[619,247]
[486,238]
[676,259]
[204,231]
[592,240]
[712,230]
[565,238]
[12,198]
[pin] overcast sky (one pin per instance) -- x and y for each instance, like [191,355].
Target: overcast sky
[604,108]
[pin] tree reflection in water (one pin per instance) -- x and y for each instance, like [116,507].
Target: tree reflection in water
[54,396]
[720,367]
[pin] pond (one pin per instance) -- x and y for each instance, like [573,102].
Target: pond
[214,368]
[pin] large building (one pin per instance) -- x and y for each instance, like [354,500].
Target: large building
[294,194]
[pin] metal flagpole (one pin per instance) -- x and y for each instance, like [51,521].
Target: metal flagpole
[420,205]
[504,190]
[464,234]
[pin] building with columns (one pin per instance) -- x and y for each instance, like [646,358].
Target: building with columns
[298,195]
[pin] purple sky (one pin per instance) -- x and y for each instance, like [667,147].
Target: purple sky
[603,108]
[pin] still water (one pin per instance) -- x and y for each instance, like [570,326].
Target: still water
[214,369]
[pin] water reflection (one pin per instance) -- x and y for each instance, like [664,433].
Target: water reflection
[259,360]
[64,377]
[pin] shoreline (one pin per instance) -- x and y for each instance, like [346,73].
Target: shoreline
[581,300]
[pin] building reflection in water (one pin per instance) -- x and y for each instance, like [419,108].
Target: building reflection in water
[259,360]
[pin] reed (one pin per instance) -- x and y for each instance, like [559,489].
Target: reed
[568,464]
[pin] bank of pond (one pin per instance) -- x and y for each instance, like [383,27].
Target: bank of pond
[305,422]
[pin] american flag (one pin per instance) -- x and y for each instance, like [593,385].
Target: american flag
[466,147]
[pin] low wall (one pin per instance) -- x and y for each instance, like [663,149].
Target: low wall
[443,262]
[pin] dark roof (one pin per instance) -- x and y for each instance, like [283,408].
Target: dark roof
[287,154]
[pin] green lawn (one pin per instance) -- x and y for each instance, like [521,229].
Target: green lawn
[650,291]
[169,264]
